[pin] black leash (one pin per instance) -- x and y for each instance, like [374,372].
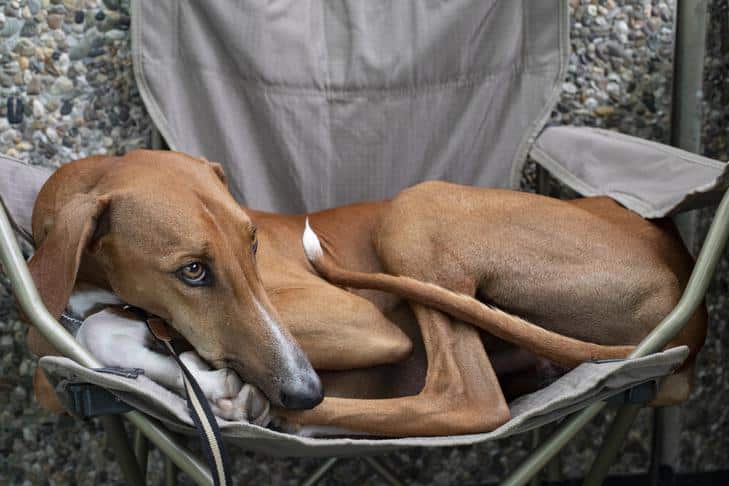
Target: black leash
[198,406]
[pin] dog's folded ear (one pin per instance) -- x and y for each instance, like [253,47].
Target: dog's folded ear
[57,258]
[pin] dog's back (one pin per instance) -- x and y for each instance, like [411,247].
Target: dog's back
[587,268]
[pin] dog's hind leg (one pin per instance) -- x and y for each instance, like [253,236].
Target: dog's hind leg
[461,393]
[408,280]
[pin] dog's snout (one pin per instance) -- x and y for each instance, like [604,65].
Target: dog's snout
[302,394]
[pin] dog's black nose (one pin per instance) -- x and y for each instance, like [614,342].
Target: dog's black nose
[303,395]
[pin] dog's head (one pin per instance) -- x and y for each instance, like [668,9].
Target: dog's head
[163,232]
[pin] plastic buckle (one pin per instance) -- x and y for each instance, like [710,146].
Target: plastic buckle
[87,400]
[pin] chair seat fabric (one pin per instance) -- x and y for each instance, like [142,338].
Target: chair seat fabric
[582,386]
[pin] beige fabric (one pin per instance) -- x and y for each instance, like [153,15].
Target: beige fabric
[316,104]
[19,186]
[650,178]
[585,384]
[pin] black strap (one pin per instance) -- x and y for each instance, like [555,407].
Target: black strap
[199,408]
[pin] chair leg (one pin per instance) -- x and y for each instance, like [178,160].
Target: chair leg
[170,472]
[385,474]
[536,439]
[141,451]
[552,471]
[666,442]
[119,442]
[551,447]
[612,443]
[320,472]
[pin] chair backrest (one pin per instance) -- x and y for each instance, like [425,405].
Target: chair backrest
[314,104]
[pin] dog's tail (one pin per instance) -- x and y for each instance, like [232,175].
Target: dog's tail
[559,349]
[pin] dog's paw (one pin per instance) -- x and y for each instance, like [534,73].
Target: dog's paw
[215,384]
[248,405]
[223,383]
[229,397]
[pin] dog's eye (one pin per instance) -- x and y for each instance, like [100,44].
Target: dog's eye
[195,273]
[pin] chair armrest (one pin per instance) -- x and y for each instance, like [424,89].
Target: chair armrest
[650,178]
[698,283]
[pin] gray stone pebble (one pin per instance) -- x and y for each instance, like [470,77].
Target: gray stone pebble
[68,74]
[620,62]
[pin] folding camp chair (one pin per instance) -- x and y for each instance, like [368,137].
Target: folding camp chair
[314,107]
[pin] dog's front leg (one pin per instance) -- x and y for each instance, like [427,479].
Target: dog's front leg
[461,393]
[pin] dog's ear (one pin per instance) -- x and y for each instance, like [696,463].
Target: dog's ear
[56,261]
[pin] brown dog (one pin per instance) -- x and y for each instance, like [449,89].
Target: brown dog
[161,231]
